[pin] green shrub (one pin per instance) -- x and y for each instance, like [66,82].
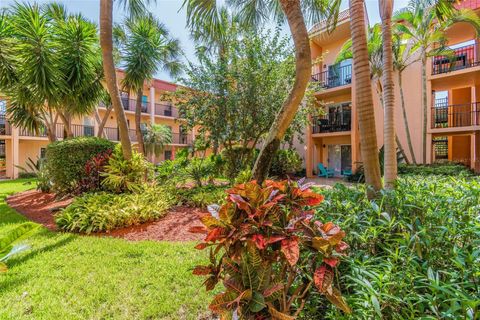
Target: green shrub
[285,162]
[237,159]
[94,212]
[200,197]
[444,169]
[244,176]
[415,251]
[66,160]
[126,175]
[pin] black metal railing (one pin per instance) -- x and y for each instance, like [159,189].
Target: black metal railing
[5,129]
[335,76]
[79,130]
[42,132]
[332,122]
[111,133]
[461,58]
[453,116]
[130,105]
[166,110]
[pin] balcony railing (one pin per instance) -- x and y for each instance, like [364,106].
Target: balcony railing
[166,110]
[333,122]
[461,58]
[111,133]
[454,116]
[181,138]
[5,129]
[130,105]
[334,77]
[42,132]
[79,130]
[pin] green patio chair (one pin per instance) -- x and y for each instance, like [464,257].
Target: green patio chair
[324,172]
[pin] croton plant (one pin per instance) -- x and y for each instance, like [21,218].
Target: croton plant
[268,251]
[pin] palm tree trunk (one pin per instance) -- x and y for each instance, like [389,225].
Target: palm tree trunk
[303,60]
[405,118]
[424,107]
[363,96]
[66,125]
[390,161]
[106,43]
[138,118]
[102,122]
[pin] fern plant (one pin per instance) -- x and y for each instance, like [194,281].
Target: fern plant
[268,252]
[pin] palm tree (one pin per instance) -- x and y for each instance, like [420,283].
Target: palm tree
[156,137]
[390,162]
[363,96]
[250,12]
[146,47]
[134,8]
[424,25]
[49,67]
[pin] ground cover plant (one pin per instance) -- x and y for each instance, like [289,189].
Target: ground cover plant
[443,169]
[268,253]
[102,211]
[66,276]
[414,252]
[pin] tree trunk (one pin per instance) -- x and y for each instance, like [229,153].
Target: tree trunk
[66,125]
[405,119]
[363,96]
[424,107]
[102,122]
[390,161]
[303,61]
[106,43]
[138,118]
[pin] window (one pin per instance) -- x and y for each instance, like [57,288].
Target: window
[43,152]
[440,145]
[144,103]
[3,107]
[167,154]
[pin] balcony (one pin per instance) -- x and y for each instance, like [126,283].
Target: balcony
[337,121]
[130,105]
[181,138]
[455,116]
[42,132]
[336,76]
[461,58]
[5,129]
[166,110]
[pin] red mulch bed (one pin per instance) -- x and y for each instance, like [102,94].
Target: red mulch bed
[40,207]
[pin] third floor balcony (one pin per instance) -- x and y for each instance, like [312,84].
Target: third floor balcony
[462,57]
[160,109]
[335,76]
[455,116]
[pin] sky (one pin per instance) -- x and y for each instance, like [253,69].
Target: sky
[170,13]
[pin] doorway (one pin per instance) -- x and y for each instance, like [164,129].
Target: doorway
[339,158]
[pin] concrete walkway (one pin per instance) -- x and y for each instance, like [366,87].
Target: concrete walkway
[328,182]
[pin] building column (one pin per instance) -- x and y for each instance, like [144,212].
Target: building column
[430,104]
[472,151]
[473,96]
[15,146]
[173,153]
[309,152]
[152,105]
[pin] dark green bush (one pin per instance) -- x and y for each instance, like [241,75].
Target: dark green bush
[414,252]
[66,160]
[285,162]
[201,197]
[94,212]
[444,169]
[237,159]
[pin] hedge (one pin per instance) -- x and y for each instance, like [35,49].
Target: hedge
[65,160]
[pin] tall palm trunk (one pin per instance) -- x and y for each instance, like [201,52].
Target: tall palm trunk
[106,43]
[390,161]
[405,118]
[424,106]
[138,118]
[363,96]
[303,60]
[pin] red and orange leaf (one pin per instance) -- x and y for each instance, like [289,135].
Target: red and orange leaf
[323,278]
[240,202]
[210,221]
[269,291]
[202,270]
[277,315]
[214,234]
[332,262]
[198,229]
[341,246]
[336,298]
[291,250]
[259,241]
[201,246]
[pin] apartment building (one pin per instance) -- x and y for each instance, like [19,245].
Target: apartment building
[453,84]
[18,144]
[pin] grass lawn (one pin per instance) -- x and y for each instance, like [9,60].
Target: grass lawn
[66,276]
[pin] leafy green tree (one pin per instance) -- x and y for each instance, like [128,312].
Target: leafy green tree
[50,66]
[254,13]
[233,98]
[156,137]
[145,47]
